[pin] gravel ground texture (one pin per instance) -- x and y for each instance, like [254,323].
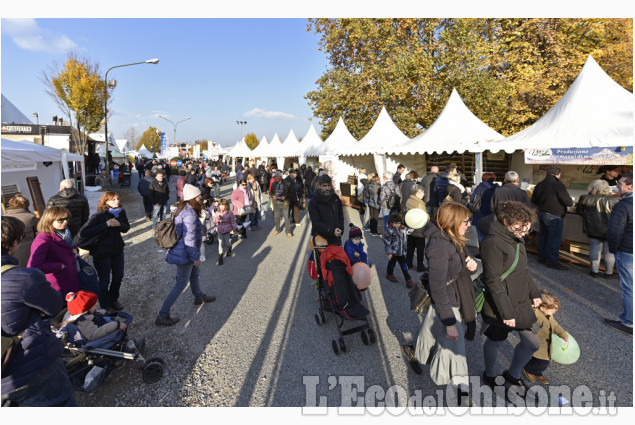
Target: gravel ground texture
[258,344]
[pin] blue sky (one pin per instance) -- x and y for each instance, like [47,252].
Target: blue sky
[241,61]
[216,71]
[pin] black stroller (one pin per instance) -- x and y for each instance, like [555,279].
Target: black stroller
[338,295]
[88,363]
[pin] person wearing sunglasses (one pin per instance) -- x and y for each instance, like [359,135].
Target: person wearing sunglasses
[54,252]
[511,292]
[451,318]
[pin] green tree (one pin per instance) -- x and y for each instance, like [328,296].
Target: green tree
[251,140]
[150,138]
[79,92]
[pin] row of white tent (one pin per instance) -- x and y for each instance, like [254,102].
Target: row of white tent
[594,112]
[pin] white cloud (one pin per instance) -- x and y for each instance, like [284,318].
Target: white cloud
[269,115]
[29,36]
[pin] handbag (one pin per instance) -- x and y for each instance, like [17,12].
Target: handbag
[87,276]
[480,288]
[246,210]
[90,242]
[420,299]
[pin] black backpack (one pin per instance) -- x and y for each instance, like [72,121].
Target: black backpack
[165,234]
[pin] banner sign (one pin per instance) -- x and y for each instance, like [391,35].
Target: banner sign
[164,144]
[619,155]
[18,166]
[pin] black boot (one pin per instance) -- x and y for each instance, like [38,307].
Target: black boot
[220,259]
[229,251]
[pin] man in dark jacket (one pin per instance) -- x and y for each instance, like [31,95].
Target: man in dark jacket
[36,374]
[294,197]
[396,178]
[326,213]
[281,194]
[254,171]
[144,190]
[442,182]
[159,196]
[509,191]
[552,199]
[70,198]
[619,236]
[406,188]
[430,194]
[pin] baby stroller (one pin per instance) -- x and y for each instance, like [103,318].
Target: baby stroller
[338,295]
[88,363]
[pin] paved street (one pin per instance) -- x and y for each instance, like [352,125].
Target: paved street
[259,344]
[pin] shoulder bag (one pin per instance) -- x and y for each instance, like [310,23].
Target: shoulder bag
[480,288]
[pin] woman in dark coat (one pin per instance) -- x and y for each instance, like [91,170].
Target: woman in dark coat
[110,222]
[508,302]
[19,208]
[451,319]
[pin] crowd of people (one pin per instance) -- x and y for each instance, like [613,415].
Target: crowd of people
[41,258]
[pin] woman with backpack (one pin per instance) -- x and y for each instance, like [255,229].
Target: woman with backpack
[185,254]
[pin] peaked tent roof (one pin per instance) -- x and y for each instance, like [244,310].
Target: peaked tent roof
[310,142]
[273,148]
[261,148]
[594,112]
[381,136]
[290,146]
[240,150]
[144,151]
[455,129]
[340,140]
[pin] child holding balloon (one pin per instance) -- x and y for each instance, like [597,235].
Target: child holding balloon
[354,247]
[548,326]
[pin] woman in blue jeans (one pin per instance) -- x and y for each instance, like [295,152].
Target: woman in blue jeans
[109,223]
[185,254]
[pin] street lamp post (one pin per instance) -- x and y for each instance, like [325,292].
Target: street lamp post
[241,124]
[152,61]
[161,116]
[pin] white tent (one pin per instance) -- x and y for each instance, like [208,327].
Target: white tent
[273,150]
[240,150]
[260,150]
[25,159]
[594,112]
[456,129]
[310,142]
[144,152]
[383,134]
[291,146]
[113,151]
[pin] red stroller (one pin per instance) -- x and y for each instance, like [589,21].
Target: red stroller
[338,295]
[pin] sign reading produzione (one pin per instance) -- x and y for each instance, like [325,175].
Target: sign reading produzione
[618,155]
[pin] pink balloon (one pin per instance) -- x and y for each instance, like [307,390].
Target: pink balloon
[361,275]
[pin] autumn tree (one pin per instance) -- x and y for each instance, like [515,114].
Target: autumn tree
[508,72]
[251,140]
[150,139]
[80,93]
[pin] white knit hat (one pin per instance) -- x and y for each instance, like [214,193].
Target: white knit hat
[190,192]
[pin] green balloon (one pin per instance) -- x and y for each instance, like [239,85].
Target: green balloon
[564,352]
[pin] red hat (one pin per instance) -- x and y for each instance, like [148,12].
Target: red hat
[80,302]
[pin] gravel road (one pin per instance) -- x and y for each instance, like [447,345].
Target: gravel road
[259,345]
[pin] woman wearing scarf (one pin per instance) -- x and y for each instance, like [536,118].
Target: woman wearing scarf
[241,201]
[110,222]
[455,190]
[53,251]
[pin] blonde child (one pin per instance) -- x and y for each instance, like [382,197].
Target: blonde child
[225,224]
[548,326]
[92,324]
